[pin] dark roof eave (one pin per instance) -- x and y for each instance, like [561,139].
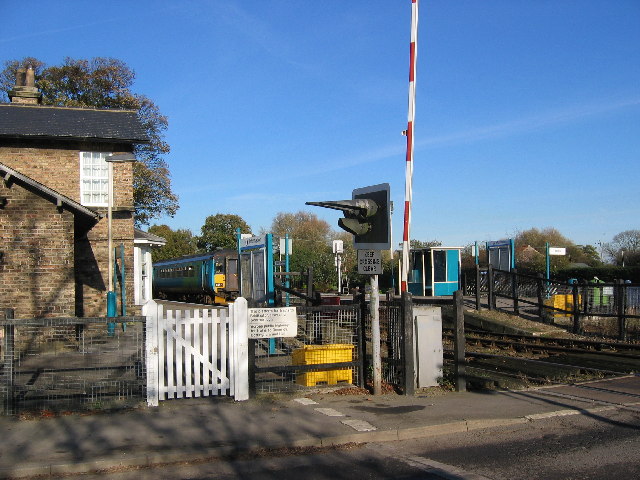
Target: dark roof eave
[76,139]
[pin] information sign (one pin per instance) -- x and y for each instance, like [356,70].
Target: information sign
[252,242]
[370,262]
[273,322]
[557,251]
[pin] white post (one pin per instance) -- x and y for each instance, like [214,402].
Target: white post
[150,310]
[374,304]
[240,318]
[109,226]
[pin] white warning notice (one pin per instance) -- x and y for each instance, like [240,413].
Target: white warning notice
[273,322]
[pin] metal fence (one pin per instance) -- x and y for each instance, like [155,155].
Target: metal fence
[605,308]
[392,341]
[326,351]
[60,364]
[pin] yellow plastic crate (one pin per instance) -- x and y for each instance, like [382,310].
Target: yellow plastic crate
[563,302]
[324,377]
[317,354]
[331,353]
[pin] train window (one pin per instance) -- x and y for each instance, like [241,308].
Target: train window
[219,267]
[191,271]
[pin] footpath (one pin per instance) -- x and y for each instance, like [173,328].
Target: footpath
[193,429]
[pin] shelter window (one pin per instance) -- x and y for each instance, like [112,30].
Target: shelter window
[94,179]
[439,266]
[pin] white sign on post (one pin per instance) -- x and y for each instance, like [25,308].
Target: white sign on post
[557,251]
[273,322]
[370,262]
[284,243]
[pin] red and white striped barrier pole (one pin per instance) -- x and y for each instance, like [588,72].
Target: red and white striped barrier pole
[409,133]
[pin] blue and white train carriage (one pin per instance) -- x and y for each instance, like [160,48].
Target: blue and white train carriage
[210,278]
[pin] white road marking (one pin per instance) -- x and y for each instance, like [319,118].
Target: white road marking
[329,412]
[305,401]
[359,425]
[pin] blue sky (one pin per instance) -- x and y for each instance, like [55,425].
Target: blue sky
[527,115]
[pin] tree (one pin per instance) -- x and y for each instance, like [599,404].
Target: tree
[418,244]
[301,226]
[219,231]
[179,242]
[624,249]
[106,83]
[531,254]
[311,245]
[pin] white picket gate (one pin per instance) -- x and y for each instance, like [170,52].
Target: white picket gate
[196,351]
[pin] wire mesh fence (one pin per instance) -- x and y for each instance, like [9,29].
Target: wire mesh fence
[62,364]
[325,352]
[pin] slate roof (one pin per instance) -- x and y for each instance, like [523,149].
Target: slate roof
[148,237]
[47,122]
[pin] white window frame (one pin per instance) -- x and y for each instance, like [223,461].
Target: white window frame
[96,174]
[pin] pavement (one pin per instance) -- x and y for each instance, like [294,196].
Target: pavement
[201,428]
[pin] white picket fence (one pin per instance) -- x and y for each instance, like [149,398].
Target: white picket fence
[196,351]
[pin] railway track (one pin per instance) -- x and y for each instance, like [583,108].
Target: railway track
[530,343]
[531,359]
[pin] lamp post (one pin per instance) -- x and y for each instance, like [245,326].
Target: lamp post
[111,159]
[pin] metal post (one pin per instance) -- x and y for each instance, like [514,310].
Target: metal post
[309,285]
[109,225]
[539,281]
[374,304]
[123,290]
[339,266]
[576,308]
[287,283]
[547,263]
[8,353]
[514,291]
[459,343]
[238,237]
[620,307]
[409,347]
[478,286]
[491,294]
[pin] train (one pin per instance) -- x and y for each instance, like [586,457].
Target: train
[208,278]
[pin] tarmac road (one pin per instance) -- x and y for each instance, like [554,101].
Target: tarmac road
[600,446]
[586,430]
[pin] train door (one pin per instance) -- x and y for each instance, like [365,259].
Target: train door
[232,274]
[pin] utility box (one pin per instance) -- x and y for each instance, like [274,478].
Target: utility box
[428,340]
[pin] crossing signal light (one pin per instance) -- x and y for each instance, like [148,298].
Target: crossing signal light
[367,216]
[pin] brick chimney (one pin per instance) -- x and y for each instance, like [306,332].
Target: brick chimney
[25,90]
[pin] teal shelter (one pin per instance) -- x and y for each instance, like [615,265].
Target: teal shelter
[434,271]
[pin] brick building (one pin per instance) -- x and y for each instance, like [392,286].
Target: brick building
[54,204]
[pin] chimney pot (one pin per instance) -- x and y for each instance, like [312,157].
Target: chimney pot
[21,77]
[25,90]
[30,79]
